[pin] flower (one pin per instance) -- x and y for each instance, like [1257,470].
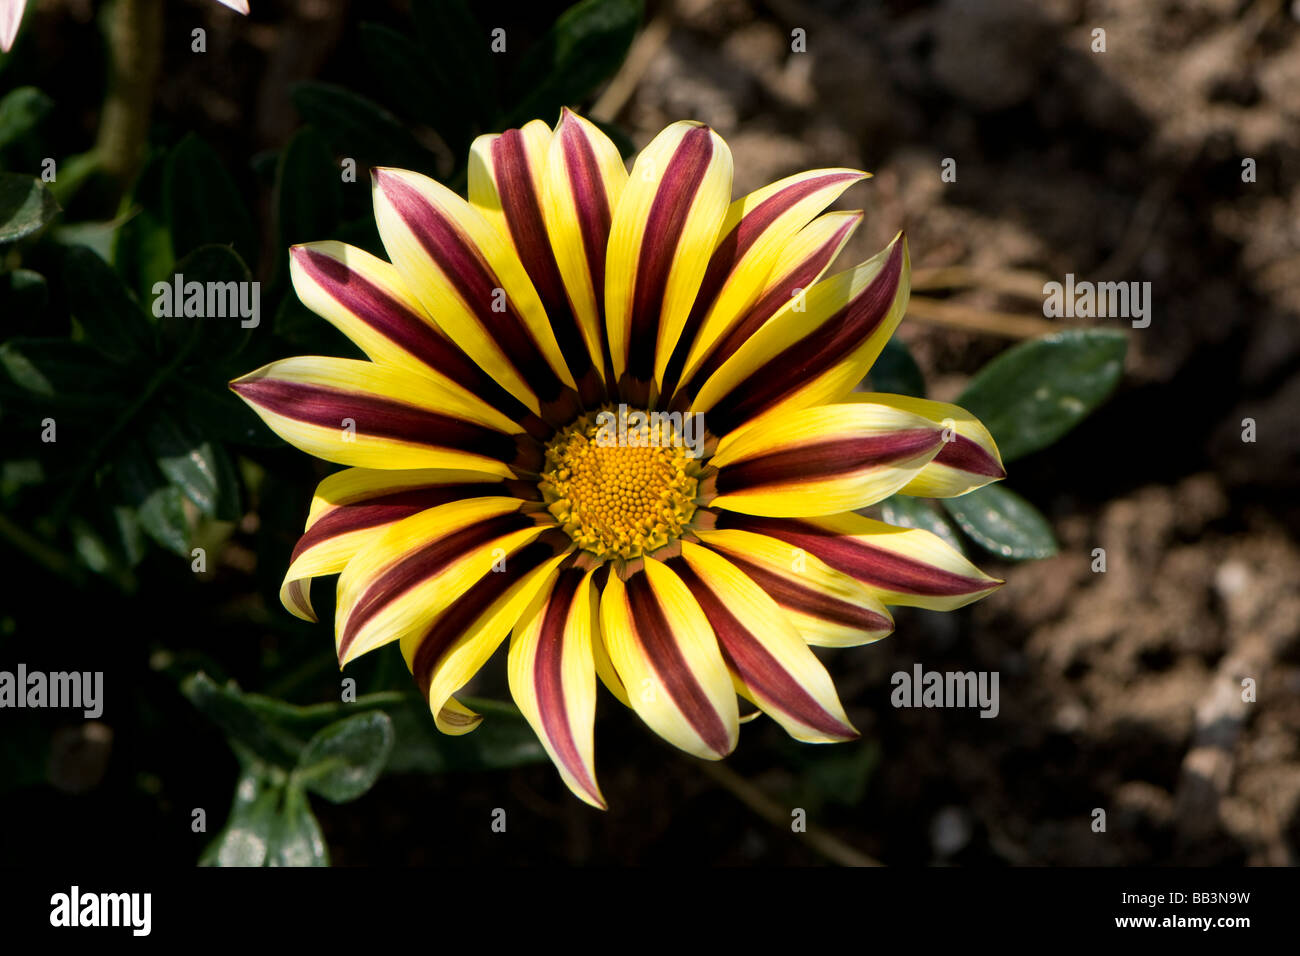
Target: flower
[600,413]
[11,16]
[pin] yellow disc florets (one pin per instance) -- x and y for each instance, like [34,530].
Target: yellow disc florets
[621,483]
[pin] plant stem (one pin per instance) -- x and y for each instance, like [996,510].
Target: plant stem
[135,57]
[822,841]
[43,554]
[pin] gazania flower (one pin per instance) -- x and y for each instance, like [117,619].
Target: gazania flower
[11,15]
[612,415]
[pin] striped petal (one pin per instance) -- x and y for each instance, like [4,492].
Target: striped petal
[352,506]
[664,230]
[553,676]
[359,413]
[820,461]
[802,262]
[604,666]
[466,273]
[407,575]
[904,566]
[816,348]
[828,607]
[11,17]
[365,299]
[753,233]
[967,460]
[448,652]
[663,648]
[769,661]
[583,181]
[507,184]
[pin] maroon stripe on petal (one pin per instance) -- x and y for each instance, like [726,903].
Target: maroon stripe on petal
[425,563]
[548,675]
[457,619]
[475,284]
[812,601]
[298,594]
[812,355]
[591,205]
[970,457]
[655,636]
[523,212]
[663,230]
[385,509]
[395,321]
[876,567]
[733,247]
[825,460]
[754,664]
[376,417]
[782,291]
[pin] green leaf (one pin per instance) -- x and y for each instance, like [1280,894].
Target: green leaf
[1032,394]
[907,512]
[129,534]
[24,294]
[142,246]
[57,374]
[203,204]
[345,759]
[110,319]
[504,739]
[270,824]
[252,826]
[895,371]
[241,723]
[308,190]
[93,549]
[199,467]
[584,47]
[1003,523]
[297,839]
[219,333]
[360,128]
[94,235]
[405,72]
[20,111]
[159,505]
[26,207]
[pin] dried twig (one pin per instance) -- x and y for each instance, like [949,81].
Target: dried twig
[1017,282]
[648,43]
[957,316]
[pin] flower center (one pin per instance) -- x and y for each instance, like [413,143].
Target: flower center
[622,484]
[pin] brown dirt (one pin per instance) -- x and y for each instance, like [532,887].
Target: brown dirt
[1120,690]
